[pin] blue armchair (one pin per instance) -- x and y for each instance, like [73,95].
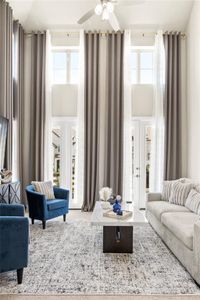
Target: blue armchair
[43,209]
[14,237]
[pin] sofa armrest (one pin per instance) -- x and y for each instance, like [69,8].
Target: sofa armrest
[61,193]
[196,243]
[14,237]
[154,197]
[11,210]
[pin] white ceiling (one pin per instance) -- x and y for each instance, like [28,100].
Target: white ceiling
[63,14]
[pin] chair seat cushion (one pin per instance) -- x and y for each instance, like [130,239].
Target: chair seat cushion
[56,204]
[181,225]
[157,208]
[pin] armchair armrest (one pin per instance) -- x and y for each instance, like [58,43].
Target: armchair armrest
[11,210]
[154,197]
[61,193]
[37,204]
[14,237]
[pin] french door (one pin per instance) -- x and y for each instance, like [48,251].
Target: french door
[141,159]
[64,156]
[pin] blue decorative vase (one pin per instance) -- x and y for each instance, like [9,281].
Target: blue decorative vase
[116,206]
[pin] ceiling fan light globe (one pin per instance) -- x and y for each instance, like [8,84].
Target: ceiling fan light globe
[110,7]
[105,14]
[98,9]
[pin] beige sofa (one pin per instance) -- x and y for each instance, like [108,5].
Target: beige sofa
[179,228]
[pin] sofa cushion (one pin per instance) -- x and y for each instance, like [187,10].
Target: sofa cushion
[181,225]
[56,204]
[157,208]
[166,190]
[179,192]
[193,201]
[167,187]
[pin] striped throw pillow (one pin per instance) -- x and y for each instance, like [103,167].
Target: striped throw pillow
[45,188]
[193,201]
[167,188]
[180,192]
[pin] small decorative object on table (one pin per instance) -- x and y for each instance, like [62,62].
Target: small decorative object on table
[117,206]
[6,176]
[104,195]
[111,214]
[117,211]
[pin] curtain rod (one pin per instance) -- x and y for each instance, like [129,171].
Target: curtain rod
[77,33]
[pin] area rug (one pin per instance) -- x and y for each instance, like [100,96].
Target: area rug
[67,258]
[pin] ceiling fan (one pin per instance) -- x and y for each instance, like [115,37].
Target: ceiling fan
[105,9]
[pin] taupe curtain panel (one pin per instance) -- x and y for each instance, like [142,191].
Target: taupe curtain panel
[37,107]
[91,160]
[6,80]
[172,106]
[110,134]
[113,176]
[18,100]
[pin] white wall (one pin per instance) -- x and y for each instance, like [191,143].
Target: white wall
[64,100]
[193,93]
[142,100]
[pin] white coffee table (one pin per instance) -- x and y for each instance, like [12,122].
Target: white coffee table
[117,233]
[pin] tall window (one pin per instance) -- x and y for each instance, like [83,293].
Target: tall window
[142,65]
[65,66]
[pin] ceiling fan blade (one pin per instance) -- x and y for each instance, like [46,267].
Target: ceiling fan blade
[114,22]
[86,16]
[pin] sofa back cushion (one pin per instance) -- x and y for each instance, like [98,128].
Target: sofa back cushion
[193,201]
[180,192]
[44,188]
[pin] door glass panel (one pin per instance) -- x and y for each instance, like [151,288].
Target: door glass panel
[56,138]
[148,146]
[73,164]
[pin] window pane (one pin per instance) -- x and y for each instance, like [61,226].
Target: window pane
[133,76]
[133,60]
[59,60]
[74,76]
[74,60]
[146,76]
[59,77]
[146,60]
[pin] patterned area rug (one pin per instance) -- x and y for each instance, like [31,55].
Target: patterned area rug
[67,258]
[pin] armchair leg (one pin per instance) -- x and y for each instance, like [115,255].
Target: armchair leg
[32,221]
[44,224]
[20,275]
[64,217]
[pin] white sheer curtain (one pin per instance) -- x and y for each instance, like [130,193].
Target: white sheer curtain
[127,166]
[48,159]
[79,168]
[157,157]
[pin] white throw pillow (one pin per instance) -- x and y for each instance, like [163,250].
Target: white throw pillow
[180,192]
[167,187]
[193,201]
[45,188]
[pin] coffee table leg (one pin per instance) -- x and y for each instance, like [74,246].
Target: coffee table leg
[118,239]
